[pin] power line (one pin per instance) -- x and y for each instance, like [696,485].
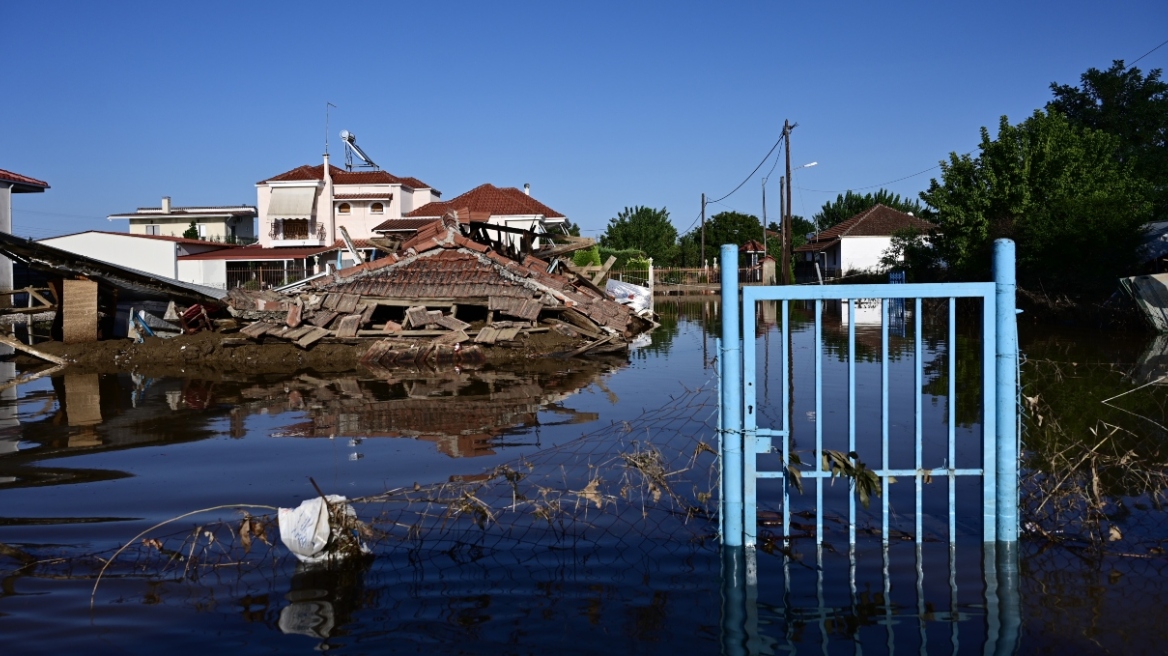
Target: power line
[764,160]
[1147,53]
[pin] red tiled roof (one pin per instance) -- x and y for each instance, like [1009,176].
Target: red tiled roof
[256,253]
[488,200]
[879,221]
[440,262]
[343,177]
[19,180]
[402,224]
[381,196]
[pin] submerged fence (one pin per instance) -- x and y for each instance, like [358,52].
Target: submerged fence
[988,474]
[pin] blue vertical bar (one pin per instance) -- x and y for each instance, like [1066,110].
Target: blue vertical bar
[731,363]
[786,341]
[749,425]
[918,368]
[952,456]
[884,418]
[852,412]
[818,419]
[1007,391]
[989,421]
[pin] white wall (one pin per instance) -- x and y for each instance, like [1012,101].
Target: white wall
[212,273]
[150,255]
[863,253]
[6,226]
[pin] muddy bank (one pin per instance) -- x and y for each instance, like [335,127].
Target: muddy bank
[209,354]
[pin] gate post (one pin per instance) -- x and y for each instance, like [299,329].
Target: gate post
[1007,391]
[730,360]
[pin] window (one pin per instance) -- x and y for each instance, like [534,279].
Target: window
[377,208]
[153,229]
[343,208]
[202,231]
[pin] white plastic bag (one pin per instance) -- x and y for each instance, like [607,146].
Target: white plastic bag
[305,529]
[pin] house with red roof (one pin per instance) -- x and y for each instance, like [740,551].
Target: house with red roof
[856,244]
[307,206]
[502,206]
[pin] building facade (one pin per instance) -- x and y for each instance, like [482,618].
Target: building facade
[225,224]
[307,206]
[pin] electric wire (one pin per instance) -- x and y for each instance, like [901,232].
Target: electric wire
[764,161]
[1148,53]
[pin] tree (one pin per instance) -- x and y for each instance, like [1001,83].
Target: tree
[1073,209]
[849,204]
[192,231]
[645,229]
[722,228]
[1123,102]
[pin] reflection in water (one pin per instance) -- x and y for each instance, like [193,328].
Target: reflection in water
[465,413]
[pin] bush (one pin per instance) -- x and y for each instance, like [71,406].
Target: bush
[587,257]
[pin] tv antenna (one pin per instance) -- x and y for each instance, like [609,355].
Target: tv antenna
[351,148]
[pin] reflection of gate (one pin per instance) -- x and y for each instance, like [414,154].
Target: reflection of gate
[754,452]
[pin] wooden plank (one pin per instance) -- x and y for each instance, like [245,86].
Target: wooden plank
[78,311]
[4,339]
[604,270]
[508,334]
[348,325]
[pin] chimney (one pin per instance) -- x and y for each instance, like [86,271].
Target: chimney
[527,188]
[166,204]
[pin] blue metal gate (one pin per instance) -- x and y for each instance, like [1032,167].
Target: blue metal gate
[743,439]
[746,436]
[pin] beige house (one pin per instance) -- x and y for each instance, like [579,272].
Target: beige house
[231,224]
[307,206]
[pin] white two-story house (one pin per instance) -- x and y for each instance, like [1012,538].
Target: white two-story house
[307,206]
[234,224]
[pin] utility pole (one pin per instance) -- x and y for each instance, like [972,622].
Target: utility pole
[787,127]
[702,264]
[764,225]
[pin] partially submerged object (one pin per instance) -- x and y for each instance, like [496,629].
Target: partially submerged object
[1151,295]
[445,287]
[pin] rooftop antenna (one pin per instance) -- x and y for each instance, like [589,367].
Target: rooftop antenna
[327,104]
[352,148]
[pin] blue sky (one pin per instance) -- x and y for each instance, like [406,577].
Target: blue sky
[597,105]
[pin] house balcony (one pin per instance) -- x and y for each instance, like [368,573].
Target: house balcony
[292,233]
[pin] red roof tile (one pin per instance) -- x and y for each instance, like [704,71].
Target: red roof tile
[22,181]
[343,177]
[381,196]
[402,224]
[488,200]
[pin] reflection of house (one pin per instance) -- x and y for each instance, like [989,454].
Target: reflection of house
[307,206]
[235,224]
[855,244]
[506,206]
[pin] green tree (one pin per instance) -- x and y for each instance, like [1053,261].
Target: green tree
[1073,209]
[722,228]
[849,204]
[645,229]
[1123,102]
[192,231]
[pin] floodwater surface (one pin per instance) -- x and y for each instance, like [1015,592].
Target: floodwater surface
[563,506]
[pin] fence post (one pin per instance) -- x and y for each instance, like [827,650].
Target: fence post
[1007,391]
[730,362]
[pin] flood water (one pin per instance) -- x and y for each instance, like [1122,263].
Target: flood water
[590,551]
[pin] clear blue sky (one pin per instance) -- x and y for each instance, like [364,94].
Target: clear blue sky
[598,105]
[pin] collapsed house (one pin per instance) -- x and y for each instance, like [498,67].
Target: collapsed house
[450,289]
